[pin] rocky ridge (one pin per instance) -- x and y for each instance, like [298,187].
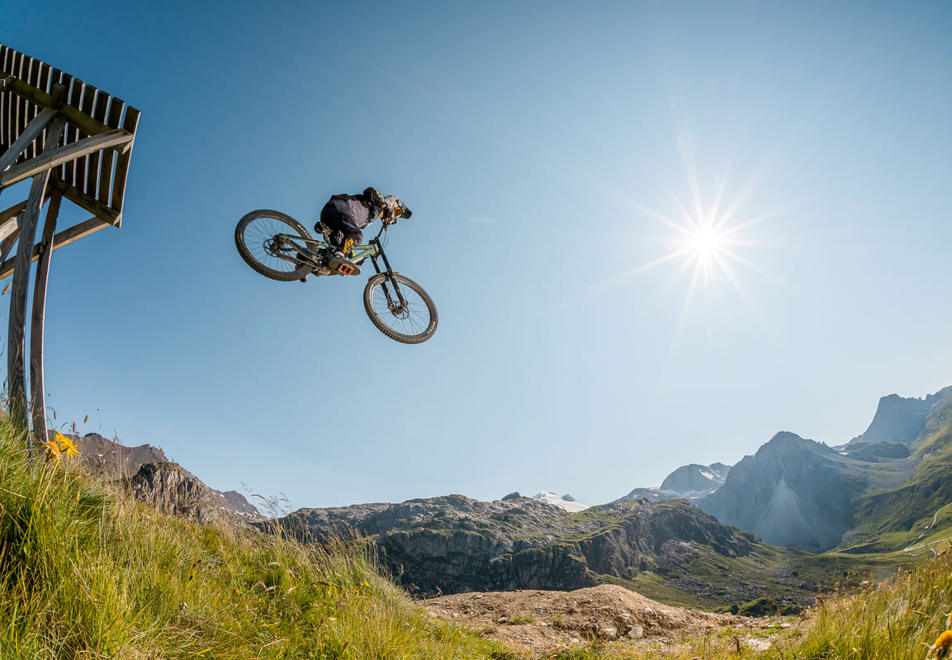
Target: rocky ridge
[455,544]
[686,482]
[166,486]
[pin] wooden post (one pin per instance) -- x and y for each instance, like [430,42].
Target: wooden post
[37,388]
[16,350]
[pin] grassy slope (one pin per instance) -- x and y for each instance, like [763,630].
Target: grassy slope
[897,619]
[86,572]
[891,519]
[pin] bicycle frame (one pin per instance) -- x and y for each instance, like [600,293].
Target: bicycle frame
[361,253]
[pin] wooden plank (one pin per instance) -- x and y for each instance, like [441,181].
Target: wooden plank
[86,124]
[72,133]
[5,98]
[12,211]
[131,124]
[22,106]
[62,239]
[91,204]
[16,329]
[50,158]
[88,103]
[14,111]
[108,157]
[33,79]
[92,163]
[9,227]
[76,232]
[37,386]
[26,138]
[45,85]
[6,245]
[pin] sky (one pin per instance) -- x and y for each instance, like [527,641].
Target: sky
[550,152]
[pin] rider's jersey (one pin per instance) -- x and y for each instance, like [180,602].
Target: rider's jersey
[363,208]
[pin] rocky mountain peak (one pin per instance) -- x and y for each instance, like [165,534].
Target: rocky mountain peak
[899,419]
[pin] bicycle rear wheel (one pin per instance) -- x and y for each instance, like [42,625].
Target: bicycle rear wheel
[411,320]
[259,244]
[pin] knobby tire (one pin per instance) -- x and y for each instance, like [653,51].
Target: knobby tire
[381,321]
[242,241]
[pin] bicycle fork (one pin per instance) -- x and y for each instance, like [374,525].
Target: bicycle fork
[394,308]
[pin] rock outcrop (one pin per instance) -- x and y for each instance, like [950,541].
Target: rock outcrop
[902,420]
[792,492]
[166,486]
[687,482]
[455,544]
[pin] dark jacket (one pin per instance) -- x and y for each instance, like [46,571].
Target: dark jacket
[362,209]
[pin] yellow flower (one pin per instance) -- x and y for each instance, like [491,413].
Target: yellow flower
[67,446]
[942,645]
[52,449]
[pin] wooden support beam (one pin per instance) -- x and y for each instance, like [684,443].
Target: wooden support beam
[62,239]
[91,204]
[16,329]
[9,227]
[55,157]
[37,386]
[11,214]
[12,211]
[76,117]
[26,138]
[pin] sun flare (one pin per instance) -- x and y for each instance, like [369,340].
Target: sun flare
[707,242]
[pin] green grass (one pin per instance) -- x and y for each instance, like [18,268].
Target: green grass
[86,572]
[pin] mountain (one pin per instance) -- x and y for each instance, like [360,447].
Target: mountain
[792,492]
[166,486]
[799,493]
[687,482]
[667,549]
[912,513]
[902,420]
[566,502]
[696,479]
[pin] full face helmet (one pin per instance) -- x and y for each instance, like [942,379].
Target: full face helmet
[395,208]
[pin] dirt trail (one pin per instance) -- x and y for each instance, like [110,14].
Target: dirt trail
[543,620]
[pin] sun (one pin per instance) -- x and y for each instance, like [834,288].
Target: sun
[707,242]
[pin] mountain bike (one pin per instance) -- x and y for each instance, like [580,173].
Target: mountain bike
[277,246]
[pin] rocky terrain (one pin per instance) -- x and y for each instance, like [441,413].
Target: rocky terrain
[803,494]
[454,544]
[687,482]
[793,492]
[541,621]
[902,420]
[885,490]
[164,485]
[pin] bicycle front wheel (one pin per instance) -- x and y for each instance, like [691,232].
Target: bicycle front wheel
[408,316]
[259,242]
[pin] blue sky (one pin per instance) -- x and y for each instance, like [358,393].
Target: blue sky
[537,144]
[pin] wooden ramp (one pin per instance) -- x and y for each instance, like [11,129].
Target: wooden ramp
[75,142]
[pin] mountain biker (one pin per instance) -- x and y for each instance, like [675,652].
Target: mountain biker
[346,215]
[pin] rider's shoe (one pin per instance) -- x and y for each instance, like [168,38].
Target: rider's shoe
[341,264]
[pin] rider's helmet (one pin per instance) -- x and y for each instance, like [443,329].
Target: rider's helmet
[395,208]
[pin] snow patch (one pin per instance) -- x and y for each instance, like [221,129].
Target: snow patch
[566,502]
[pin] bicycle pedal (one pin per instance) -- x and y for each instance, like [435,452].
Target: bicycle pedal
[347,269]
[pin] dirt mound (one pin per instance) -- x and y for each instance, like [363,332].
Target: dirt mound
[541,620]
